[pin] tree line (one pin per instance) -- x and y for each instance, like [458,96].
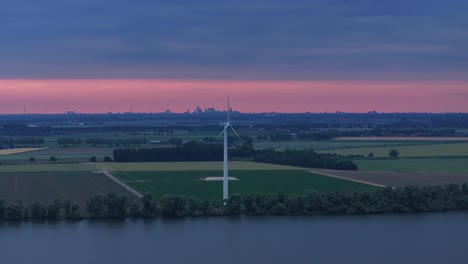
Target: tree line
[101,142]
[199,151]
[120,142]
[191,151]
[117,206]
[304,158]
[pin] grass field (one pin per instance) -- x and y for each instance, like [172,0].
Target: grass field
[48,186]
[326,145]
[186,166]
[400,179]
[434,150]
[17,150]
[53,167]
[64,154]
[415,165]
[159,183]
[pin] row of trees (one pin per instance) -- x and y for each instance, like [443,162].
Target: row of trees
[102,142]
[304,158]
[115,206]
[191,151]
[21,142]
[120,142]
[69,142]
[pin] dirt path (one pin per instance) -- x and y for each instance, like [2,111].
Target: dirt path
[119,182]
[346,178]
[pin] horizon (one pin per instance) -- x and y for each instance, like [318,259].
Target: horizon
[158,95]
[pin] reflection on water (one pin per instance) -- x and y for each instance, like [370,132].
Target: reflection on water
[413,238]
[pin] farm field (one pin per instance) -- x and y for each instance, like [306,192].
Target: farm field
[52,167]
[189,183]
[402,138]
[333,144]
[17,150]
[48,186]
[65,154]
[400,179]
[428,165]
[435,150]
[185,166]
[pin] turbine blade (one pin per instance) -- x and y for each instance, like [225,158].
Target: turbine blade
[229,111]
[222,132]
[236,133]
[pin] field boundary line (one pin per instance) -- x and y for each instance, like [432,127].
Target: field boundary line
[347,179]
[119,182]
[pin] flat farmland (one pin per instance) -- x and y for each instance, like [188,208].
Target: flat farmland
[429,165]
[189,183]
[48,186]
[434,150]
[331,144]
[17,150]
[186,166]
[66,154]
[52,167]
[400,179]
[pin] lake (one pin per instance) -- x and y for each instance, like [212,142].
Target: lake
[406,238]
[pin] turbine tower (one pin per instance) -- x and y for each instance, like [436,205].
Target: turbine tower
[226,161]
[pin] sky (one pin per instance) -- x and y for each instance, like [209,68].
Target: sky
[289,56]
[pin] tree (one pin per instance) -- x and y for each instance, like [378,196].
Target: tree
[2,209]
[38,211]
[53,158]
[393,153]
[54,210]
[93,159]
[107,159]
[32,159]
[370,155]
[116,206]
[95,206]
[149,208]
[15,211]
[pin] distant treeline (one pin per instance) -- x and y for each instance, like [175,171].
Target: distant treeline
[191,151]
[101,142]
[292,134]
[121,142]
[304,158]
[199,151]
[115,206]
[20,142]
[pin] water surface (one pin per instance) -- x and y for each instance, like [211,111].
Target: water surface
[413,238]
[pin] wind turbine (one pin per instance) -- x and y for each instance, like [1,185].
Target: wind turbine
[226,162]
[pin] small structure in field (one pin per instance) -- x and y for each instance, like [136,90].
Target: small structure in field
[219,179]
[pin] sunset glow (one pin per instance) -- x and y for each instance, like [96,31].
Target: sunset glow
[157,95]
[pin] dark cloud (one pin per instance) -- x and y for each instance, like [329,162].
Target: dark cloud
[297,39]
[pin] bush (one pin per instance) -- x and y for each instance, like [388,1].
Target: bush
[107,159]
[32,159]
[370,155]
[393,153]
[93,159]
[53,158]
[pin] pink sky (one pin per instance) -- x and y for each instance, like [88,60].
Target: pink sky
[247,96]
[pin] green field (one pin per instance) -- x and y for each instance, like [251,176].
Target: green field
[415,165]
[51,167]
[48,186]
[186,166]
[159,183]
[434,150]
[332,144]
[63,154]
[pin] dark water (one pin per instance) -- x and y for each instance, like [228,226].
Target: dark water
[419,238]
